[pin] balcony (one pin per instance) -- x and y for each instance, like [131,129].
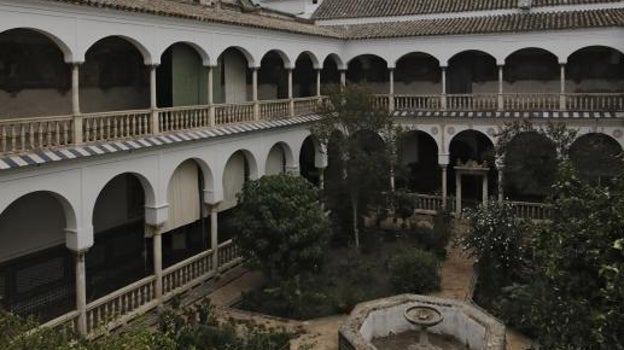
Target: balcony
[30,134]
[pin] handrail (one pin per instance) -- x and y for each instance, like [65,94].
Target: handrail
[186,262]
[119,292]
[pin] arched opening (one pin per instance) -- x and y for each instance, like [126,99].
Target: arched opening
[182,78]
[238,170]
[596,156]
[471,145]
[187,231]
[530,167]
[232,77]
[307,160]
[272,77]
[330,74]
[370,70]
[34,78]
[121,254]
[113,77]
[531,70]
[595,69]
[472,72]
[419,170]
[304,76]
[276,160]
[418,73]
[36,269]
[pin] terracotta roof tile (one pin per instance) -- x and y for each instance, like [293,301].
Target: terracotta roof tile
[520,22]
[335,9]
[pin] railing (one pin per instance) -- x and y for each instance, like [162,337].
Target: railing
[430,204]
[532,101]
[183,118]
[381,101]
[472,102]
[115,125]
[134,299]
[228,255]
[184,275]
[595,102]
[532,211]
[417,102]
[20,135]
[234,113]
[274,109]
[306,106]
[69,320]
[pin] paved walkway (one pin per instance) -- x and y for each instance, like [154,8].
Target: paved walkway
[456,273]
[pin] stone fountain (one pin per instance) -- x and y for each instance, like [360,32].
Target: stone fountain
[424,317]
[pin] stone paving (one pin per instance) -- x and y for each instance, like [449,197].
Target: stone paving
[321,334]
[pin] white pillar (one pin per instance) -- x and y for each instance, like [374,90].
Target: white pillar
[254,92]
[291,102]
[485,188]
[343,78]
[155,124]
[214,237]
[81,291]
[211,109]
[444,185]
[443,100]
[322,178]
[392,180]
[157,246]
[562,96]
[501,101]
[77,131]
[391,83]
[458,194]
[318,83]
[500,184]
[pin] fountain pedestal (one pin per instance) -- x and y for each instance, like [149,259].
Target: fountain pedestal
[424,317]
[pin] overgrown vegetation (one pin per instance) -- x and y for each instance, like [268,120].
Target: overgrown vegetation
[414,271]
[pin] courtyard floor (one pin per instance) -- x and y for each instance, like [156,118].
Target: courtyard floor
[321,334]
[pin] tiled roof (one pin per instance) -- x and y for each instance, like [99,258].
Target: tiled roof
[334,9]
[520,22]
[194,11]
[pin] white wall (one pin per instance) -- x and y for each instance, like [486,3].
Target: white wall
[111,209]
[34,103]
[275,161]
[235,77]
[233,180]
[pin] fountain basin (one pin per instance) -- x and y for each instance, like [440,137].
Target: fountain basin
[465,323]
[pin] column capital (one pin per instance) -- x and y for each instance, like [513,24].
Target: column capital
[157,215]
[444,159]
[79,239]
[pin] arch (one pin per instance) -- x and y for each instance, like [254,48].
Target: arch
[371,70]
[340,64]
[251,62]
[182,76]
[68,209]
[304,75]
[596,156]
[595,69]
[377,57]
[532,70]
[145,53]
[312,159]
[148,189]
[581,49]
[534,49]
[417,73]
[203,55]
[68,54]
[274,165]
[207,174]
[415,53]
[288,64]
[418,159]
[472,145]
[240,167]
[315,61]
[470,70]
[479,51]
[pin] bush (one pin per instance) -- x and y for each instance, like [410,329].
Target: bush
[414,271]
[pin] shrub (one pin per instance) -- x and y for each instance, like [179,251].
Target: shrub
[414,271]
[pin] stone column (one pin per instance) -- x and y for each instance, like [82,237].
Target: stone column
[214,236]
[500,168]
[254,92]
[157,246]
[501,100]
[458,194]
[443,100]
[211,109]
[391,92]
[77,131]
[321,178]
[485,188]
[343,78]
[81,290]
[291,101]
[562,96]
[444,168]
[318,83]
[155,124]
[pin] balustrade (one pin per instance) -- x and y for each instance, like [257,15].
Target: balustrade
[234,113]
[274,109]
[229,255]
[532,211]
[20,135]
[595,102]
[115,125]
[184,118]
[532,101]
[306,106]
[417,102]
[185,274]
[472,102]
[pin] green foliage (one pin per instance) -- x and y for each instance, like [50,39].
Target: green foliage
[281,226]
[366,158]
[414,271]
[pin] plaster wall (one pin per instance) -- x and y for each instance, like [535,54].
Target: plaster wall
[235,78]
[113,99]
[189,78]
[34,103]
[233,180]
[275,161]
[111,208]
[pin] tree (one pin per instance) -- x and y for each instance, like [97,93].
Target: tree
[281,226]
[366,160]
